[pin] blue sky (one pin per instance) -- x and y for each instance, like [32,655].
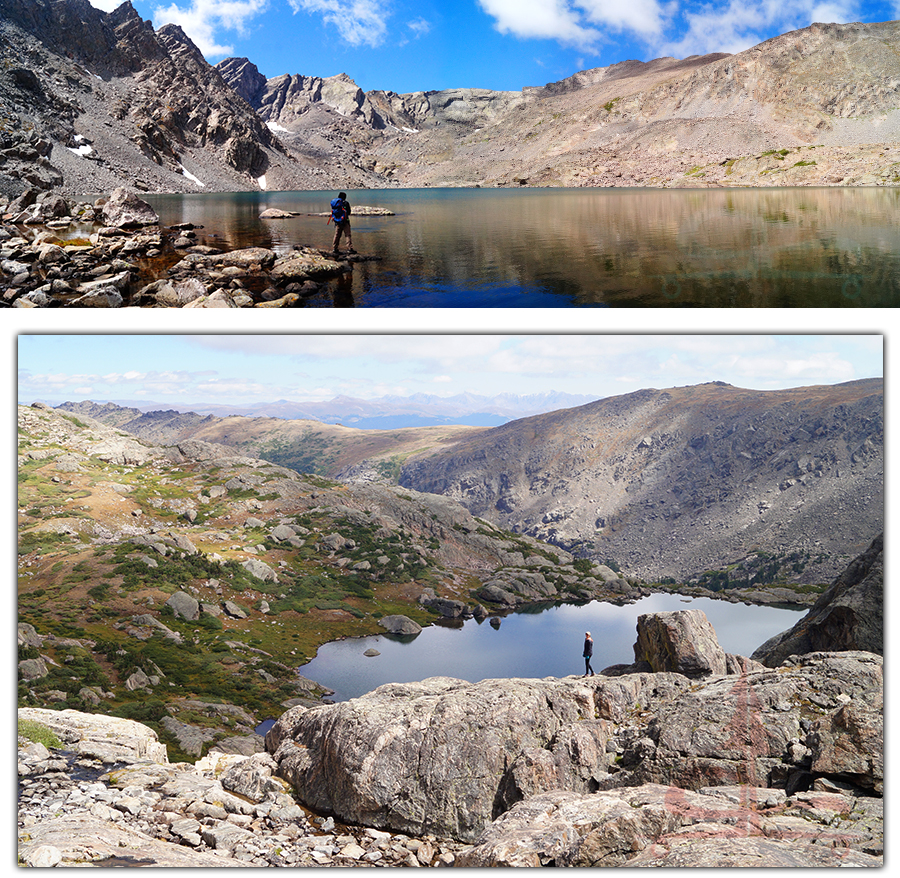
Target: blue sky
[237,369]
[404,46]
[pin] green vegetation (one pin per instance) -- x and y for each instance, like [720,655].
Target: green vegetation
[38,734]
[309,453]
[760,569]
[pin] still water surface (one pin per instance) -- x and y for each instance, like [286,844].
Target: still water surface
[541,644]
[780,247]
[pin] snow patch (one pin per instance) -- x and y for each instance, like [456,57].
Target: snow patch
[83,150]
[262,181]
[274,126]
[190,176]
[411,130]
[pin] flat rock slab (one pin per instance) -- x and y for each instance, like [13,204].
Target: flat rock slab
[658,825]
[107,738]
[82,840]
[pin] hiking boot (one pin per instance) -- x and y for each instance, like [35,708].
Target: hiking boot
[351,252]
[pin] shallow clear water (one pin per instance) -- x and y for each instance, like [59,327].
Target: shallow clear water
[545,643]
[780,247]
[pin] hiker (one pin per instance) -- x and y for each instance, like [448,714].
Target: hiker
[340,214]
[588,652]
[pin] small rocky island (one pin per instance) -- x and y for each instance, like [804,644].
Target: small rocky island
[687,756]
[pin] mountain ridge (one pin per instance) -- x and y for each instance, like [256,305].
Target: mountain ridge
[94,100]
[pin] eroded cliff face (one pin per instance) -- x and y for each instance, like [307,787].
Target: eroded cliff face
[104,100]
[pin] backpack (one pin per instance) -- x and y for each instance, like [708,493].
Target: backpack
[339,210]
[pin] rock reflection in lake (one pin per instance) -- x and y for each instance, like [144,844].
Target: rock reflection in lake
[545,644]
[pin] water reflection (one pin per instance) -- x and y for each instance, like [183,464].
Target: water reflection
[827,247]
[533,644]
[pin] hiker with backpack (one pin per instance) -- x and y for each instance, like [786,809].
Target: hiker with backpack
[340,215]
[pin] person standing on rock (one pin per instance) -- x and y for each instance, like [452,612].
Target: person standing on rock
[588,652]
[340,215]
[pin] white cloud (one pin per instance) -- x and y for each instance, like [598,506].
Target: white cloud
[541,19]
[731,26]
[359,22]
[581,23]
[737,25]
[419,27]
[106,5]
[202,20]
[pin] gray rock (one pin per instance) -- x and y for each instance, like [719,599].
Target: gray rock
[849,615]
[683,642]
[260,570]
[184,606]
[233,610]
[43,857]
[400,625]
[109,739]
[124,209]
[282,533]
[137,680]
[32,669]
[654,825]
[252,778]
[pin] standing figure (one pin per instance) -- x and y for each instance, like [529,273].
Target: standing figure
[588,652]
[340,214]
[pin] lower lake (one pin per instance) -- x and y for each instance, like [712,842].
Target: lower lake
[544,643]
[780,247]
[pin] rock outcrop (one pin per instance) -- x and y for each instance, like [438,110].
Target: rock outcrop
[654,825]
[119,809]
[849,615]
[449,757]
[106,739]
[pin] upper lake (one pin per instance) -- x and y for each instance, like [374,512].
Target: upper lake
[769,248]
[545,642]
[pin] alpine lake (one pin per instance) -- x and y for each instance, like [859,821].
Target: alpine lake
[828,247]
[540,641]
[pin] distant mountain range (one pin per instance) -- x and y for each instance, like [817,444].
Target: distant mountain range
[383,413]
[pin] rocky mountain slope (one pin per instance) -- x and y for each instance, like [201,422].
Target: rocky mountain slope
[90,101]
[816,106]
[684,481]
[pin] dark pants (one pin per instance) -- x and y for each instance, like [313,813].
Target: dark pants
[587,666]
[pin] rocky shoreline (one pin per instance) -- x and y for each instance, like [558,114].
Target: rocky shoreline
[113,253]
